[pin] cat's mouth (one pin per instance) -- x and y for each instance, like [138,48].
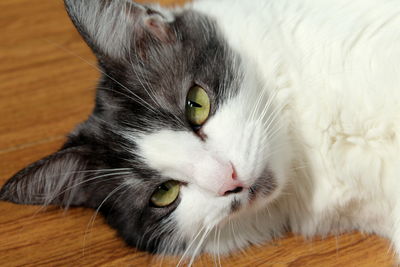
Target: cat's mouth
[261,189]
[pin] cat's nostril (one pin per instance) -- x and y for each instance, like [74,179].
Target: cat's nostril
[234,174]
[234,191]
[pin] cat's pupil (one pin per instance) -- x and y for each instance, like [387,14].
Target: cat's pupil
[196,128]
[193,104]
[163,187]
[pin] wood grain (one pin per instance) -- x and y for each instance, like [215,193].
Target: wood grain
[47,84]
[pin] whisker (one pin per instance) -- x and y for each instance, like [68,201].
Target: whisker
[215,242]
[218,243]
[256,106]
[204,236]
[92,179]
[148,90]
[93,218]
[267,106]
[130,96]
[273,116]
[143,103]
[190,245]
[49,198]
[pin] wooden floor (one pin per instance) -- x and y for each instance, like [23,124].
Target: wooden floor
[46,87]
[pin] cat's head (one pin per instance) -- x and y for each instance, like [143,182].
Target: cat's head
[184,143]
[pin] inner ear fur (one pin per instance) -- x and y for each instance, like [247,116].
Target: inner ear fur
[54,180]
[114,28]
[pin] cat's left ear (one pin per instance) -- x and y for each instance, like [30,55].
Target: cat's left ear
[58,179]
[112,28]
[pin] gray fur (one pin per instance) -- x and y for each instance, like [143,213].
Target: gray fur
[149,59]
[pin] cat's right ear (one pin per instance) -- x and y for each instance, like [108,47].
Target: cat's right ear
[114,27]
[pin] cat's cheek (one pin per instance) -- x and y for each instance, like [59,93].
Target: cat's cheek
[198,209]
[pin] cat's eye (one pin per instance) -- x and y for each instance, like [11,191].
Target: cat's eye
[197,106]
[165,194]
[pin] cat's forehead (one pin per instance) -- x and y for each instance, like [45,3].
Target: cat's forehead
[156,83]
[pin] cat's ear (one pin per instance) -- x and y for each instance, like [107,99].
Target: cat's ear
[114,27]
[56,179]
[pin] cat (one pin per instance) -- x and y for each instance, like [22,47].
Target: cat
[242,119]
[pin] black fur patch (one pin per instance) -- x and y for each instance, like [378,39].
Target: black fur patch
[235,205]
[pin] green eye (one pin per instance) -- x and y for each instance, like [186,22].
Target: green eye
[165,194]
[197,106]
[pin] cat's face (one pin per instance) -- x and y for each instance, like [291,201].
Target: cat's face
[183,140]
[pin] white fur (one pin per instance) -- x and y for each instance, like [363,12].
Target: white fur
[332,69]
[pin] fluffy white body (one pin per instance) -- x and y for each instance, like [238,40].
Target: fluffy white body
[330,71]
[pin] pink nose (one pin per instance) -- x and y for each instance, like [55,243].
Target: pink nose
[230,186]
[216,175]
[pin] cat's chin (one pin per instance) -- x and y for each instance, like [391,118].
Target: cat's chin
[255,222]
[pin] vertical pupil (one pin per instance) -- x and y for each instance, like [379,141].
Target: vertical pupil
[164,187]
[194,104]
